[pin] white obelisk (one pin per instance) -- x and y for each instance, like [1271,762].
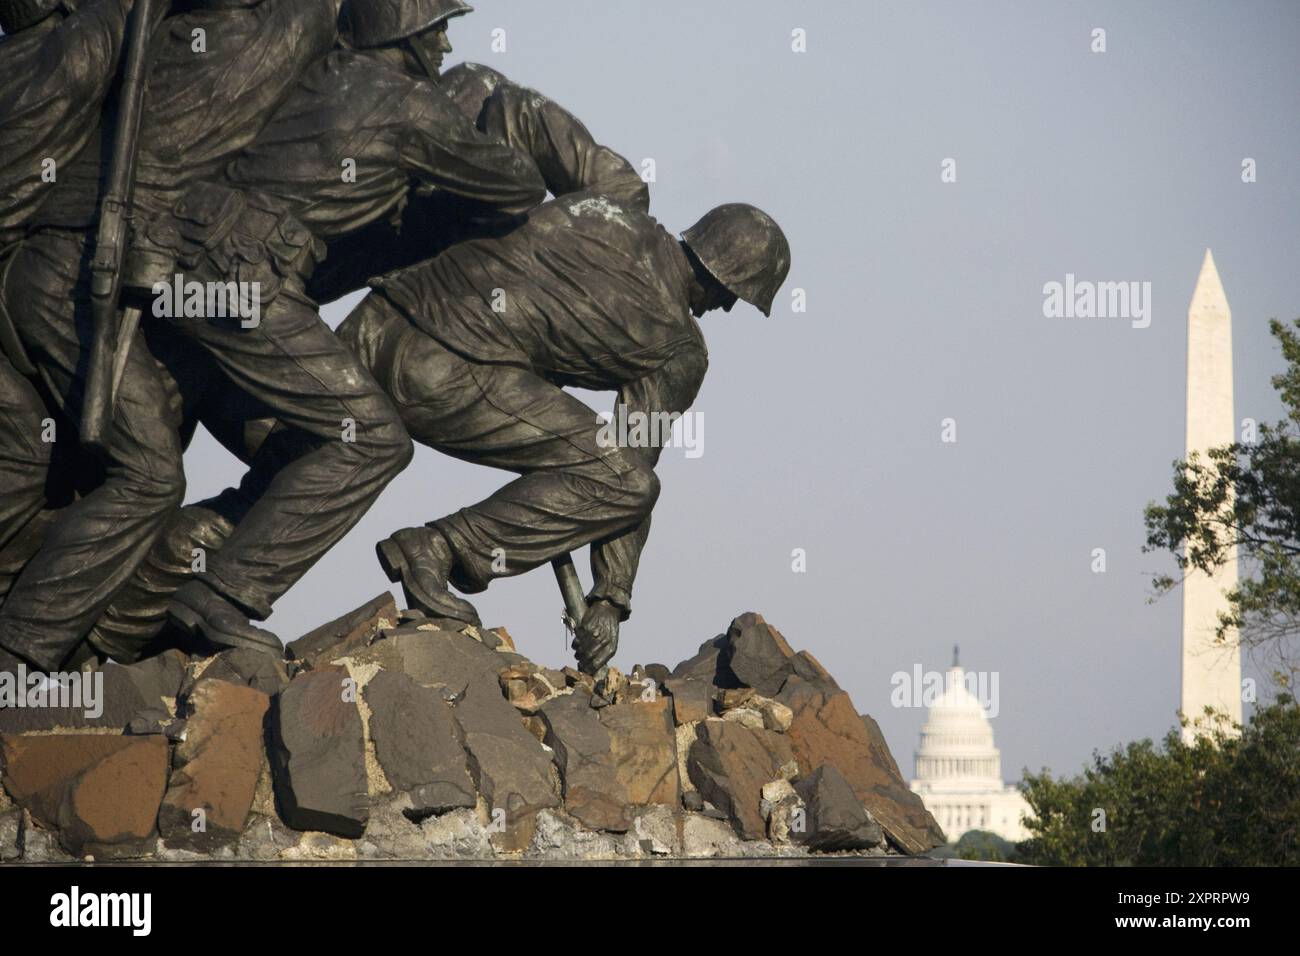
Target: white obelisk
[1211,668]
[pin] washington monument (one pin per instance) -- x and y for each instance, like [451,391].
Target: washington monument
[1211,667]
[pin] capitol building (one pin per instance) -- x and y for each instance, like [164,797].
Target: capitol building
[959,771]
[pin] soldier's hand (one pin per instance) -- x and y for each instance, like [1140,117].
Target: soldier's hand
[597,637]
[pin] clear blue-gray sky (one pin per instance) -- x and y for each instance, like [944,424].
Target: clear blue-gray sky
[924,302]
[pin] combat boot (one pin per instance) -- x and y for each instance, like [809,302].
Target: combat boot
[197,609]
[420,559]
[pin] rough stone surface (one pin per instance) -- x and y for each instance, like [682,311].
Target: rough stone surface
[692,698]
[100,792]
[438,658]
[584,755]
[216,766]
[827,729]
[248,668]
[644,750]
[729,764]
[395,736]
[318,755]
[417,745]
[835,819]
[779,806]
[709,664]
[613,760]
[125,693]
[11,825]
[511,770]
[355,629]
[758,655]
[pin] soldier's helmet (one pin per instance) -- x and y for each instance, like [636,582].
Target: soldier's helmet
[744,249]
[373,23]
[18,15]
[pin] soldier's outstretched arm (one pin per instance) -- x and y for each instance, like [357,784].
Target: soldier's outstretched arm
[670,389]
[445,150]
[565,151]
[567,154]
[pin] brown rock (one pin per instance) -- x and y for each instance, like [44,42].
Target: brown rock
[692,698]
[612,760]
[734,697]
[644,749]
[730,764]
[216,766]
[827,729]
[505,637]
[100,792]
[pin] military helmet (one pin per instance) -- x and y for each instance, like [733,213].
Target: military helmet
[744,249]
[18,15]
[373,23]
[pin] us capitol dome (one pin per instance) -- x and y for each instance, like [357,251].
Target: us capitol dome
[959,770]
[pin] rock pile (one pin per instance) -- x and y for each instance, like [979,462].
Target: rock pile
[386,735]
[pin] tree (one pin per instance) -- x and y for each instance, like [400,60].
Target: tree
[1245,495]
[1219,801]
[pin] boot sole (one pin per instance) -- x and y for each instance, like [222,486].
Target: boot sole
[193,624]
[394,565]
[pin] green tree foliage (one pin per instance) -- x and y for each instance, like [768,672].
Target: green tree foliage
[1220,801]
[1245,495]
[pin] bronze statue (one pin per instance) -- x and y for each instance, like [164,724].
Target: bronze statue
[300,162]
[597,295]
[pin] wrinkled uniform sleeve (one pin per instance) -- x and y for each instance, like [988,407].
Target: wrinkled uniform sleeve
[670,388]
[566,153]
[443,149]
[51,94]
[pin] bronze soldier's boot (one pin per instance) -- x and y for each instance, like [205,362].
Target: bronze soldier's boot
[200,610]
[420,559]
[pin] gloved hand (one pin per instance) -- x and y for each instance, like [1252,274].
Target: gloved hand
[597,637]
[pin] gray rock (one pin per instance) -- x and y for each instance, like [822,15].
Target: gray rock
[758,655]
[248,668]
[120,693]
[438,658]
[709,665]
[417,744]
[392,833]
[11,825]
[559,837]
[354,629]
[584,754]
[318,757]
[457,835]
[265,838]
[510,768]
[835,820]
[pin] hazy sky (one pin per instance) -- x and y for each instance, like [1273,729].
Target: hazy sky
[924,302]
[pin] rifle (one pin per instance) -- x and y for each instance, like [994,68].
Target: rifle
[575,599]
[110,342]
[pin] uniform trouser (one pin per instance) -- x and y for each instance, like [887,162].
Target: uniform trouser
[24,452]
[350,444]
[94,544]
[571,491]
